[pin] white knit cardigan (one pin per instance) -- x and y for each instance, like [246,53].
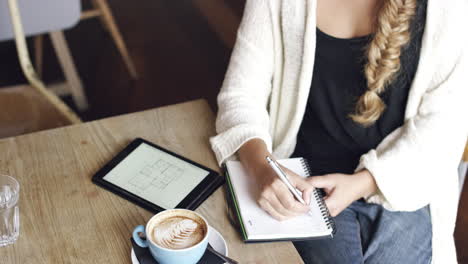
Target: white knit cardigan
[267,84]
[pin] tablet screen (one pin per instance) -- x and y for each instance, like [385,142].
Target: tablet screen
[156,176]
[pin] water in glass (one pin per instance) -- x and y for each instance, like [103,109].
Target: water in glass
[9,211]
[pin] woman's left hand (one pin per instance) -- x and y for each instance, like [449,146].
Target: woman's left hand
[343,189]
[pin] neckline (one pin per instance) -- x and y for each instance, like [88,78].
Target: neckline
[355,39]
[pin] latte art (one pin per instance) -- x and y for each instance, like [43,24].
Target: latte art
[178,232]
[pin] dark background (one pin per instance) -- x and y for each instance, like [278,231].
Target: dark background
[180,48]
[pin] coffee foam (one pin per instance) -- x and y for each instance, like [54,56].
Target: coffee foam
[177,229]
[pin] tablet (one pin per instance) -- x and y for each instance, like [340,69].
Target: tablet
[156,178]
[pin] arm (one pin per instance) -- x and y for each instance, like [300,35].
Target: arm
[243,120]
[410,164]
[416,161]
[246,89]
[408,167]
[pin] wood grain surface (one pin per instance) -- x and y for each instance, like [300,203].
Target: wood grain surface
[65,218]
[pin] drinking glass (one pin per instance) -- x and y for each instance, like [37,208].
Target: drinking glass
[9,211]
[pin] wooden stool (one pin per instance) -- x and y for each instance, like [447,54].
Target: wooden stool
[103,12]
[25,110]
[74,84]
[29,108]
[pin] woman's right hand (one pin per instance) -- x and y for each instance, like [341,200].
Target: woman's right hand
[275,198]
[273,195]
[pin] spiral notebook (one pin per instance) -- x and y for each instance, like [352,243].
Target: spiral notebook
[258,226]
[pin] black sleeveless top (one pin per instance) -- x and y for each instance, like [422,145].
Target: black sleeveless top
[331,140]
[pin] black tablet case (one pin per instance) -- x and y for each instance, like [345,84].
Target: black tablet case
[200,198]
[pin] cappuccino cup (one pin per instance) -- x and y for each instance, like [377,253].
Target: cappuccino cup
[174,236]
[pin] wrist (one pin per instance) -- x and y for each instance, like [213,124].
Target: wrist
[252,156]
[369,184]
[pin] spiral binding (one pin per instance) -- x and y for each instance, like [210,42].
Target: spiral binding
[319,194]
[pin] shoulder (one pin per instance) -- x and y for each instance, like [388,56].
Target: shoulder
[445,38]
[255,9]
[278,7]
[271,6]
[266,5]
[448,19]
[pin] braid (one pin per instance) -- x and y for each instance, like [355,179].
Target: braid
[383,55]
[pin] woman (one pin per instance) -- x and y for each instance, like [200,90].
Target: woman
[372,93]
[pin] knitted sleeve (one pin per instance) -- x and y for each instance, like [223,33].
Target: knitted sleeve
[243,98]
[411,165]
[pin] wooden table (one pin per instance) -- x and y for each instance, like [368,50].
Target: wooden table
[67,219]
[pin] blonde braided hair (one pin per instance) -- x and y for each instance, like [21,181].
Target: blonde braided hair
[383,57]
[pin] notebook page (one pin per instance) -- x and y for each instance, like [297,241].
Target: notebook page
[295,165]
[259,224]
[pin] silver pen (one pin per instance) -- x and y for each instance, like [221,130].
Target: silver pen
[284,178]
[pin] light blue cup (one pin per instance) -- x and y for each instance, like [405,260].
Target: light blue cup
[190,255]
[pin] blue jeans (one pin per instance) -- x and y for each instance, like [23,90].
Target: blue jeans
[367,233]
